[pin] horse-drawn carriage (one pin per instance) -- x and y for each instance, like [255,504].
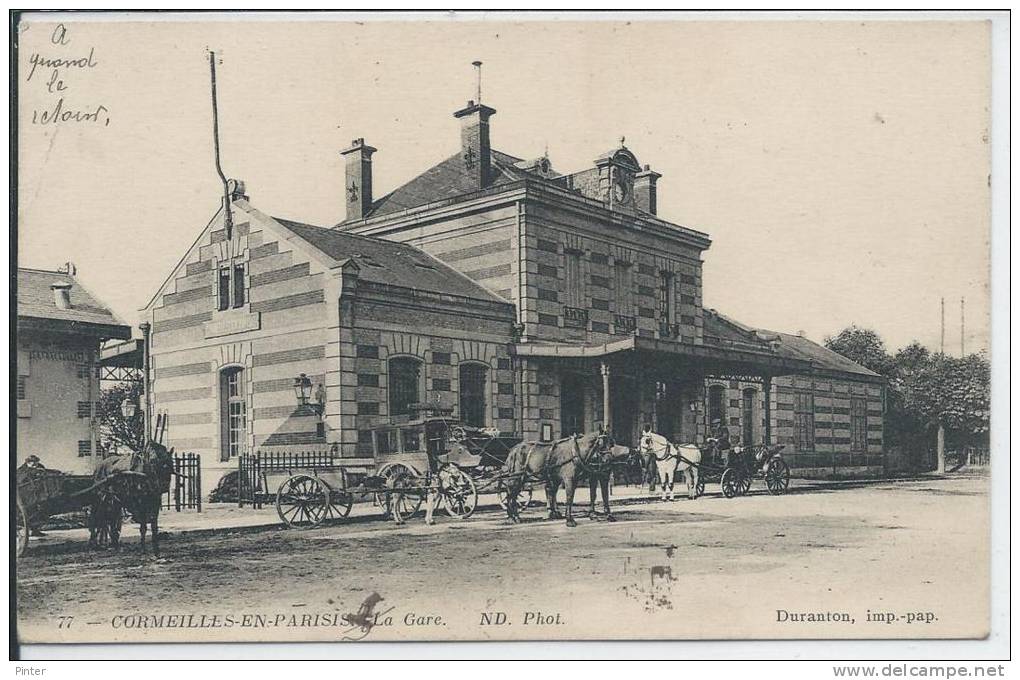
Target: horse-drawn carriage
[733,469]
[431,454]
[43,493]
[735,472]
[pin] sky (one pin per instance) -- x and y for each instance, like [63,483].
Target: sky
[841,168]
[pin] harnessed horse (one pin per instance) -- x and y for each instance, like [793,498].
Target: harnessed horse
[670,459]
[561,462]
[136,482]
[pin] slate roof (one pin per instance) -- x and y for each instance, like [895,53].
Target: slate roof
[797,347]
[790,346]
[447,179]
[36,301]
[390,263]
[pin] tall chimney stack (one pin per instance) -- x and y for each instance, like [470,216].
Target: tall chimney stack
[358,181]
[475,149]
[644,190]
[61,294]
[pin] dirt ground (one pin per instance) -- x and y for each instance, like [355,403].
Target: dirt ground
[891,559]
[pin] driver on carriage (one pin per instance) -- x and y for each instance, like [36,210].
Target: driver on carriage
[721,437]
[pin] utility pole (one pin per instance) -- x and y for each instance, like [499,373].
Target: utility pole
[942,338]
[962,334]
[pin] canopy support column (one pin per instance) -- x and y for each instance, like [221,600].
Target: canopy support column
[607,418]
[767,385]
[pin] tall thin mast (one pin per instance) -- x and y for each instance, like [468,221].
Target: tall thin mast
[228,222]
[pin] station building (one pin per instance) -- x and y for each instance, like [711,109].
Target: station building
[524,299]
[60,329]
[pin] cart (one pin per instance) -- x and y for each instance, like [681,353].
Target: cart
[745,464]
[43,493]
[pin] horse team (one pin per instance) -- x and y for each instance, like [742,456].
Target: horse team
[134,484]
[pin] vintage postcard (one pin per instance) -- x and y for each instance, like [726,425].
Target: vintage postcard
[496,327]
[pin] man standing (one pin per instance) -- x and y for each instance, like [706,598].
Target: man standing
[722,440]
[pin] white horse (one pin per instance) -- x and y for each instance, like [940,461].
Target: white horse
[670,459]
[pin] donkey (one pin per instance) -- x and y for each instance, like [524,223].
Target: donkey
[136,483]
[670,459]
[560,462]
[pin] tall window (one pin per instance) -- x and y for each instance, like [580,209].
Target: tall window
[233,415]
[472,394]
[716,404]
[747,416]
[231,286]
[574,280]
[624,289]
[405,380]
[804,421]
[858,425]
[666,313]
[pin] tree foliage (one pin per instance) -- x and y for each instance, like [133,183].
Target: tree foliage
[114,429]
[864,346]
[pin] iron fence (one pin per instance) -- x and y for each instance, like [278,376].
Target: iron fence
[185,491]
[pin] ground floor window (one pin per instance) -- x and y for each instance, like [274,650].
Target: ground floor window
[858,425]
[804,421]
[233,413]
[404,384]
[747,416]
[472,394]
[716,404]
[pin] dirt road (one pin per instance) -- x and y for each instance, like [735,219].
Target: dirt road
[819,562]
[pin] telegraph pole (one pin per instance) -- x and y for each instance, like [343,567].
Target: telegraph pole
[962,334]
[942,338]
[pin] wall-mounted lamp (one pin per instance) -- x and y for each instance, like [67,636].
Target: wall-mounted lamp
[128,408]
[303,389]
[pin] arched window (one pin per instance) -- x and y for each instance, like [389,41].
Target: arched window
[472,394]
[405,383]
[748,416]
[716,404]
[233,416]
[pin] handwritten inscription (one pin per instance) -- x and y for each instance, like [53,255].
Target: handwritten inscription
[54,73]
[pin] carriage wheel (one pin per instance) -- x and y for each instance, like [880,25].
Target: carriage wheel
[458,492]
[699,490]
[302,501]
[777,476]
[732,483]
[524,497]
[747,484]
[21,528]
[340,501]
[405,475]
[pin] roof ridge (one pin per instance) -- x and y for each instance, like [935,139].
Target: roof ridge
[45,271]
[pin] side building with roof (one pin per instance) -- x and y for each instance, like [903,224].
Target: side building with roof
[375,326]
[60,329]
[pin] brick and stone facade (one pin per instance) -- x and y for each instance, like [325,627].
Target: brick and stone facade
[578,305]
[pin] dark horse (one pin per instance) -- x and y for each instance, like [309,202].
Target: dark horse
[561,462]
[136,483]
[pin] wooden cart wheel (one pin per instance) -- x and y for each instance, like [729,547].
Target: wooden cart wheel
[731,482]
[458,492]
[747,484]
[340,500]
[524,497]
[302,501]
[699,489]
[21,527]
[777,476]
[410,503]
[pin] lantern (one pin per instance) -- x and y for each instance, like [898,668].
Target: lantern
[128,409]
[303,389]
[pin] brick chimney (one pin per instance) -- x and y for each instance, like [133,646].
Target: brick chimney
[475,149]
[358,181]
[61,294]
[644,190]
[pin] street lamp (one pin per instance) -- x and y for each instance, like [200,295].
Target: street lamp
[302,389]
[128,408]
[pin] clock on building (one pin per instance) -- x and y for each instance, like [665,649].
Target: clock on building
[621,192]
